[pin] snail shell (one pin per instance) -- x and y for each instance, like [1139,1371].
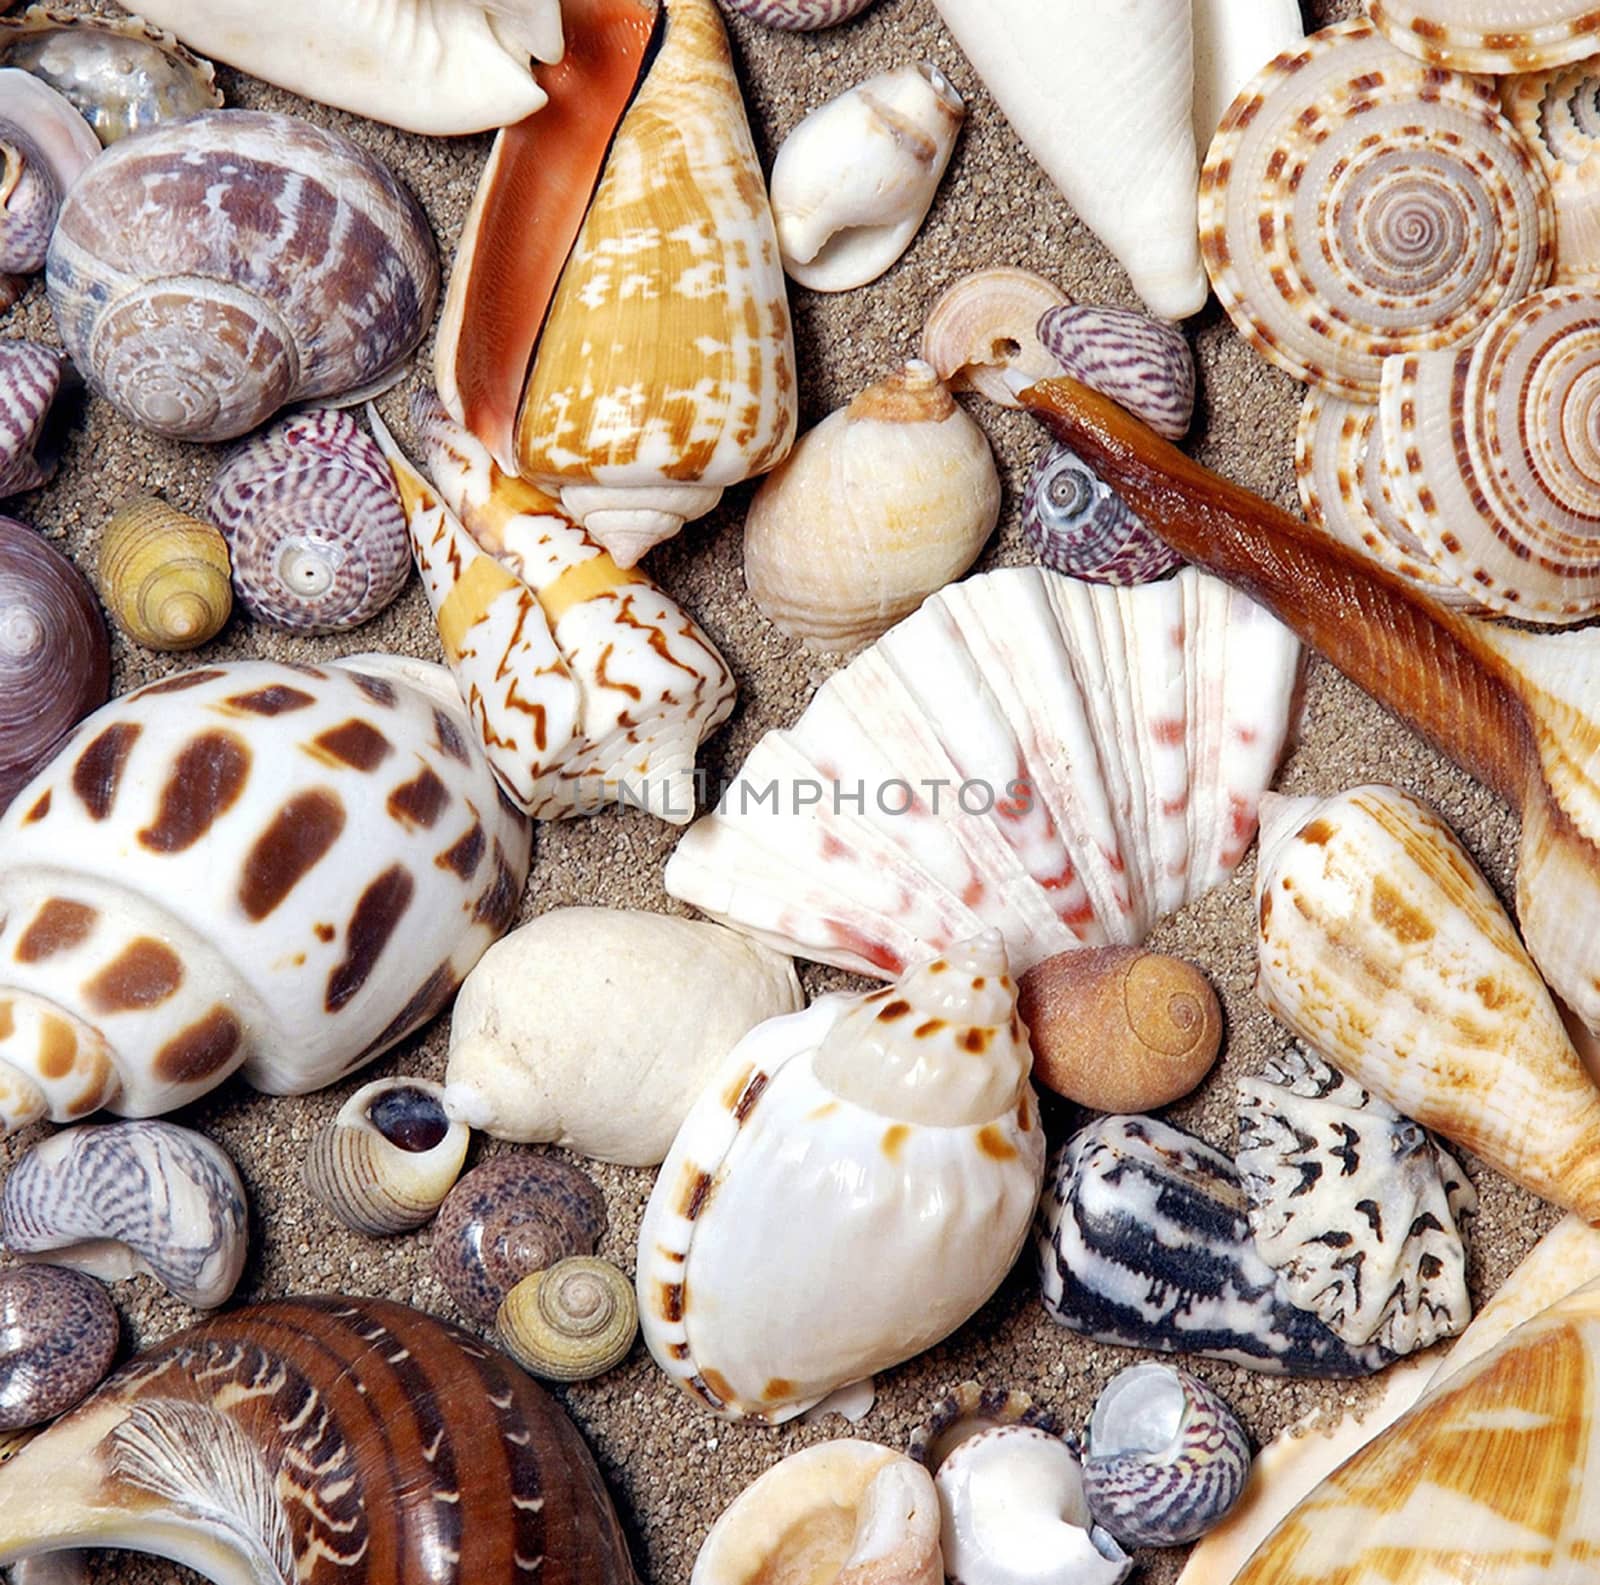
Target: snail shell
[1078,525]
[31,379]
[164,575]
[982,334]
[45,144]
[972,1408]
[509,1217]
[314,524]
[58,1336]
[1490,35]
[55,660]
[181,286]
[1558,114]
[570,1323]
[388,1159]
[798,16]
[1142,364]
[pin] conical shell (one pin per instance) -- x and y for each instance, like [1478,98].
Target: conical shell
[572,1322]
[1558,114]
[164,575]
[1233,40]
[1384,949]
[1490,35]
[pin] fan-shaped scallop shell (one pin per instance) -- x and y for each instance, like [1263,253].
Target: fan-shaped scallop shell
[1490,35]
[1558,114]
[31,377]
[1356,203]
[1078,525]
[314,524]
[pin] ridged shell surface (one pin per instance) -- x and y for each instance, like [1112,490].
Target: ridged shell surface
[1490,35]
[1558,114]
[30,380]
[798,16]
[1077,525]
[1142,364]
[164,575]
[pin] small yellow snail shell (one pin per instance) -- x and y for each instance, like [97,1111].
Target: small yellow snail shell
[569,1323]
[1120,1029]
[164,575]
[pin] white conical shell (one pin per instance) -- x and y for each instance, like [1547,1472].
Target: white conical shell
[1233,40]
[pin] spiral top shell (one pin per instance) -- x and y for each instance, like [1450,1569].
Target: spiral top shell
[1356,203]
[1491,35]
[1558,114]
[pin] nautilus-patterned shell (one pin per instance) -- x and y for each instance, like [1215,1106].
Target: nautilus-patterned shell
[585,683]
[46,145]
[1558,114]
[181,283]
[1356,203]
[853,1183]
[1064,761]
[323,1440]
[281,868]
[1490,35]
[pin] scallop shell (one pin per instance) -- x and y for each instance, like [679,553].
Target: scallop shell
[854,180]
[1142,364]
[1558,114]
[1066,762]
[314,524]
[1490,35]
[388,1159]
[164,575]
[32,377]
[46,145]
[1143,1242]
[58,1337]
[1355,1206]
[181,288]
[982,334]
[1341,223]
[1078,526]
[798,16]
[571,1323]
[853,1183]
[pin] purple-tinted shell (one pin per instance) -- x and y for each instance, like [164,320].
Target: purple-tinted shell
[798,16]
[1143,364]
[1078,525]
[58,1336]
[30,380]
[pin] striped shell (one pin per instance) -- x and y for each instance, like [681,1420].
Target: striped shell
[164,575]
[1078,526]
[58,1337]
[570,1323]
[982,333]
[31,380]
[798,16]
[187,292]
[122,1198]
[46,145]
[1142,364]
[1490,35]
[1356,203]
[314,524]
[1558,114]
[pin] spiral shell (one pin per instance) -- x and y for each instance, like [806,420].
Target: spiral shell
[1142,364]
[1079,526]
[389,1158]
[509,1217]
[982,334]
[184,290]
[1558,114]
[570,1323]
[1490,35]
[31,379]
[58,1336]
[1355,203]
[798,16]
[45,144]
[55,660]
[314,523]
[969,1409]
[164,575]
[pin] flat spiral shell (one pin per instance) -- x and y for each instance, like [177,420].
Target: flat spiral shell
[1356,203]
[164,575]
[314,523]
[1490,35]
[31,378]
[798,16]
[570,1323]
[982,334]
[58,1336]
[1142,364]
[1558,115]
[1077,524]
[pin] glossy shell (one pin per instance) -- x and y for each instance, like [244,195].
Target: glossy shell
[58,1336]
[32,377]
[971,1408]
[46,145]
[1077,525]
[164,575]
[1142,364]
[982,333]
[570,1323]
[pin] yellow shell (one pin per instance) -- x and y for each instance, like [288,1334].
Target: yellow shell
[569,1323]
[164,575]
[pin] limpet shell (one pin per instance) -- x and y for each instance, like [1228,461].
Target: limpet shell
[982,334]
[58,1336]
[570,1323]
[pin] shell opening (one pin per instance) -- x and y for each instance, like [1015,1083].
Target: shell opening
[307,568]
[1142,1411]
[410,1119]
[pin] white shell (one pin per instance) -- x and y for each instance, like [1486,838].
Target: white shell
[852,183]
[1559,118]
[855,1181]
[1233,40]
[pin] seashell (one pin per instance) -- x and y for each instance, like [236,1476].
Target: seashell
[836,1513]
[187,300]
[55,660]
[873,1160]
[164,575]
[1065,762]
[798,16]
[58,1336]
[656,383]
[46,144]
[1489,35]
[982,334]
[1233,40]
[388,1158]
[546,1032]
[278,868]
[314,524]
[970,1409]
[322,1438]
[1101,96]
[436,66]
[507,1218]
[884,502]
[1143,364]
[1014,1511]
[1340,225]
[1076,526]
[854,180]
[118,73]
[570,1323]
[1167,1457]
[1143,1242]
[586,683]
[1354,1206]
[32,378]
[128,1198]
[1558,116]
[1119,1029]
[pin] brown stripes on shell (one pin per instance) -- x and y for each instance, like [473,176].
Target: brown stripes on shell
[462,856]
[99,767]
[375,688]
[179,684]
[294,842]
[697,1195]
[278,699]
[420,801]
[376,916]
[206,781]
[59,926]
[355,743]
[496,906]
[428,999]
[751,1095]
[204,1048]
[144,974]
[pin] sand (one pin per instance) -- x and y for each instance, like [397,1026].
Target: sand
[672,1467]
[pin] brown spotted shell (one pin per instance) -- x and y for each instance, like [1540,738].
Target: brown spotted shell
[1490,35]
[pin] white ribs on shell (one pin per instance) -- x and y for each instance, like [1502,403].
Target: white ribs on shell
[1125,736]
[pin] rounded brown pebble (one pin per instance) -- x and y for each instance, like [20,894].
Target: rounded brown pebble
[1120,1029]
[58,1336]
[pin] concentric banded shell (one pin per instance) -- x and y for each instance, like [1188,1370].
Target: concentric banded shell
[58,1336]
[982,333]
[1356,203]
[1142,364]
[164,575]
[1490,35]
[798,16]
[31,379]
[1558,114]
[314,524]
[1077,525]
[570,1323]
[45,145]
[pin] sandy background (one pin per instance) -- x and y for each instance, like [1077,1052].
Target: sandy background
[672,1467]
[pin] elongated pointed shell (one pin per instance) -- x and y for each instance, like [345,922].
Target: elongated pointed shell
[164,575]
[1490,35]
[1233,40]
[1557,114]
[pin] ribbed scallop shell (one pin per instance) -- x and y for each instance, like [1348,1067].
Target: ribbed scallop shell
[45,145]
[798,16]
[31,376]
[1490,35]
[164,575]
[1079,526]
[1356,203]
[1142,364]
[1558,114]
[572,1322]
[314,524]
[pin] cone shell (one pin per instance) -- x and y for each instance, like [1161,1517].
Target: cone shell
[1490,35]
[572,1322]
[164,575]
[1558,114]
[1356,203]
[982,334]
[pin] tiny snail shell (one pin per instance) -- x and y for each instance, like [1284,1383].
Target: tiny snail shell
[570,1323]
[982,334]
[798,16]
[314,522]
[58,1336]
[972,1408]
[45,144]
[509,1217]
[1078,525]
[164,575]
[388,1159]
[32,377]
[55,660]
[1167,1457]
[1143,364]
